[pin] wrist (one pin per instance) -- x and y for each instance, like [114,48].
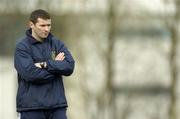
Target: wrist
[43,64]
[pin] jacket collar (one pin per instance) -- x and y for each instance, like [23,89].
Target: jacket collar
[32,39]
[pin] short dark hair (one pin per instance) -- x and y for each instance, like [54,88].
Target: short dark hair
[39,13]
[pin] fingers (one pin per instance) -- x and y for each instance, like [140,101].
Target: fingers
[60,56]
[38,65]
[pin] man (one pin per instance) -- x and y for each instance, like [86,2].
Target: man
[41,60]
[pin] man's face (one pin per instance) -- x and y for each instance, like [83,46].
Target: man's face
[41,28]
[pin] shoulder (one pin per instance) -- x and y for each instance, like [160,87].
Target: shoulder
[57,42]
[22,43]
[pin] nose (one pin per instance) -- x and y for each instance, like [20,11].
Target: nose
[47,28]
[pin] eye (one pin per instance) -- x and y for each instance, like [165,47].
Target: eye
[42,25]
[46,25]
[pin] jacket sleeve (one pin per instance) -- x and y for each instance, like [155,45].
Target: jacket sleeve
[27,70]
[64,67]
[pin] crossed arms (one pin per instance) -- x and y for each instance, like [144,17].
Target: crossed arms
[59,57]
[35,73]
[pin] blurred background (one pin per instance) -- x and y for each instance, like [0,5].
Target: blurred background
[126,54]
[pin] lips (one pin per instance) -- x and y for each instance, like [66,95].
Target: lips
[45,34]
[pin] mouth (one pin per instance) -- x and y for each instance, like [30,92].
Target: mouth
[45,34]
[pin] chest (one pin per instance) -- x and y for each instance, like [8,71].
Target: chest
[42,52]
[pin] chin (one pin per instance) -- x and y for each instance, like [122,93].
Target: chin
[44,37]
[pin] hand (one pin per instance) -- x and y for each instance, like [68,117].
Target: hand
[38,65]
[60,56]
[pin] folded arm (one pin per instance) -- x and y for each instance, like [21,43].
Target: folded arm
[63,63]
[28,70]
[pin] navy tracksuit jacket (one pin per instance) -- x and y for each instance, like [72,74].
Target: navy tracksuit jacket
[41,88]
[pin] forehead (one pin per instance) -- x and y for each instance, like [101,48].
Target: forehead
[43,21]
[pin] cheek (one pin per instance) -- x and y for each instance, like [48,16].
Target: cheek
[38,30]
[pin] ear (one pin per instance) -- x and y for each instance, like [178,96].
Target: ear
[31,24]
